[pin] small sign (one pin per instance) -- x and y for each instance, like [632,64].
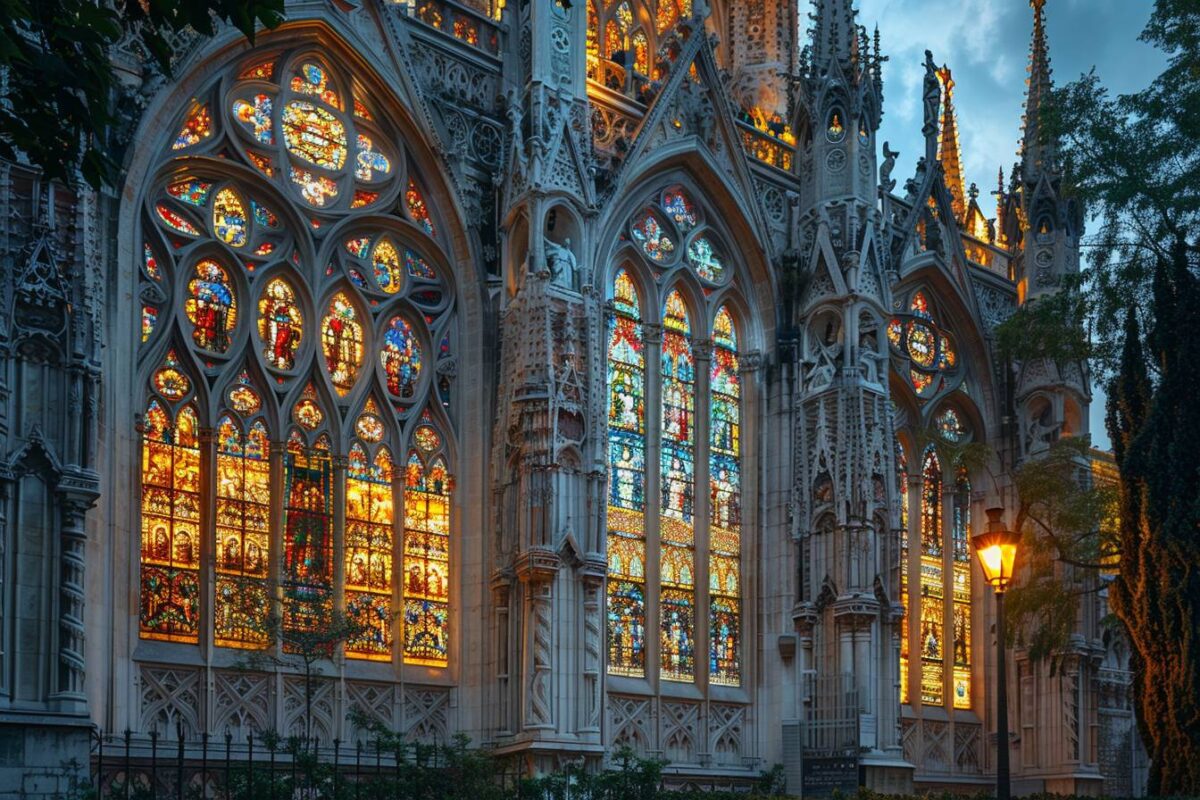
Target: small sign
[820,776]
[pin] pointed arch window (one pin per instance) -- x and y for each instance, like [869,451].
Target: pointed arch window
[626,483]
[307,535]
[725,505]
[368,543]
[940,609]
[961,607]
[933,584]
[677,624]
[170,553]
[674,530]
[426,620]
[243,532]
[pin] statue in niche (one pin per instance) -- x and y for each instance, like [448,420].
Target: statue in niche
[561,262]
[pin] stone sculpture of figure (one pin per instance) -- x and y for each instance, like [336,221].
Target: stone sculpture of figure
[561,262]
[931,96]
[885,170]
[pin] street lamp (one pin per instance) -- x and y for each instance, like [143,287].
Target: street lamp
[997,550]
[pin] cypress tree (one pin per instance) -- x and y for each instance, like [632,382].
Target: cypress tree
[1155,430]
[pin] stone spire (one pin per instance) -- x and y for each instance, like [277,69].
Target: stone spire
[1039,85]
[835,36]
[949,151]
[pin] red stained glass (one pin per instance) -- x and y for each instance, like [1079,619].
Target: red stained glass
[211,307]
[417,207]
[196,128]
[280,325]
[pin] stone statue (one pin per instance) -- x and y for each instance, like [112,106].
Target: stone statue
[932,98]
[885,169]
[561,261]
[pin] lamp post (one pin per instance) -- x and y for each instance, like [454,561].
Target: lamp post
[997,550]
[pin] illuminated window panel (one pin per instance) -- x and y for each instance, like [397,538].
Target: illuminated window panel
[962,591]
[307,537]
[368,549]
[626,485]
[426,615]
[677,630]
[243,535]
[170,553]
[932,641]
[933,590]
[725,506]
[902,492]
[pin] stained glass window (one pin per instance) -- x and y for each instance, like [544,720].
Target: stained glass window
[902,493]
[425,581]
[677,484]
[950,426]
[229,218]
[917,336]
[704,259]
[243,534]
[933,589]
[961,558]
[370,163]
[650,236]
[342,343]
[306,134]
[314,135]
[175,221]
[725,505]
[255,115]
[280,326]
[626,484]
[417,207]
[388,272]
[680,208]
[401,357]
[196,127]
[368,552]
[170,552]
[211,307]
[307,536]
[191,191]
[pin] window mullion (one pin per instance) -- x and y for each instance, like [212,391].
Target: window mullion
[207,440]
[652,336]
[702,348]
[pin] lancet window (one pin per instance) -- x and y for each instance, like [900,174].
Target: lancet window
[688,507]
[296,333]
[935,557]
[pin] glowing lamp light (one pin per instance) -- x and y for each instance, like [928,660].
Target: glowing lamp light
[997,550]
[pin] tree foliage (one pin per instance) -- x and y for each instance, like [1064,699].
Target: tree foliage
[1134,161]
[58,98]
[1069,534]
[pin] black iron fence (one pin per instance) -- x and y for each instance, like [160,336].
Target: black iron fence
[266,766]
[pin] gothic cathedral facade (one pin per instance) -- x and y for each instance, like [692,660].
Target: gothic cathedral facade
[578,359]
